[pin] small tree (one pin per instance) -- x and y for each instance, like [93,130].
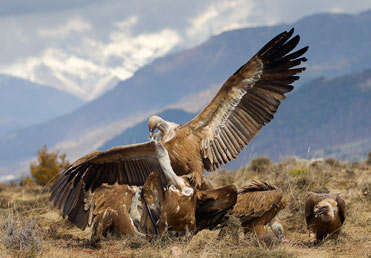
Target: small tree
[47,166]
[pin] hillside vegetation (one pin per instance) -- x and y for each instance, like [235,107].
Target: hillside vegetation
[30,227]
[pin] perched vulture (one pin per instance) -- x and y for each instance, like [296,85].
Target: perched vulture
[324,214]
[244,103]
[258,204]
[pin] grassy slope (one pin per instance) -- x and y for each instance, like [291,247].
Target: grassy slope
[58,238]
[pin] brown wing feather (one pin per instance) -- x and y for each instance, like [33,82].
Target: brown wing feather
[130,164]
[247,100]
[254,204]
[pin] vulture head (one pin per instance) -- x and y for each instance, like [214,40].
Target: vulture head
[156,122]
[166,129]
[325,210]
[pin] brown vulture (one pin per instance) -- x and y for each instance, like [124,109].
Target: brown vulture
[258,204]
[324,215]
[244,103]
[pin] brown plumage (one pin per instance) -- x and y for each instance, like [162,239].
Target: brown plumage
[245,103]
[111,213]
[324,215]
[258,204]
[153,209]
[124,210]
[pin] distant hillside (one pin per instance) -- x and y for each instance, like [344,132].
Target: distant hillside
[140,133]
[23,103]
[328,117]
[339,44]
[322,118]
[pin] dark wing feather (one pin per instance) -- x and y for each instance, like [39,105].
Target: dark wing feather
[341,208]
[212,206]
[256,186]
[130,164]
[311,201]
[247,100]
[255,203]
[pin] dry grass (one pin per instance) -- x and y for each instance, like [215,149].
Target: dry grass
[38,229]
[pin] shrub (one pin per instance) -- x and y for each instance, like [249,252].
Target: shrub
[368,159]
[26,240]
[297,171]
[47,166]
[260,164]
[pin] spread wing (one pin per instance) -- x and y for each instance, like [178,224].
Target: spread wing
[256,202]
[247,100]
[130,164]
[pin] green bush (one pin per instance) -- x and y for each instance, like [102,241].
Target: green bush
[47,166]
[298,171]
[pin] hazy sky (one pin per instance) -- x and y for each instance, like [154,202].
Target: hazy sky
[84,46]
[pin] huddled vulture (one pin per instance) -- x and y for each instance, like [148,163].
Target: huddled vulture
[324,215]
[245,102]
[258,204]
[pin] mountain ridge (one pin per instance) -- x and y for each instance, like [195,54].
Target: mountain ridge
[174,77]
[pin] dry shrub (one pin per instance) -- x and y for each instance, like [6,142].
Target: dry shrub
[4,202]
[368,159]
[48,166]
[332,162]
[3,187]
[260,164]
[23,237]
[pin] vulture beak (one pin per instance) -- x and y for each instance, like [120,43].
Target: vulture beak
[321,210]
[151,134]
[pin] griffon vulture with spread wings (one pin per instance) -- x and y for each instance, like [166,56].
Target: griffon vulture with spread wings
[244,103]
[153,209]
